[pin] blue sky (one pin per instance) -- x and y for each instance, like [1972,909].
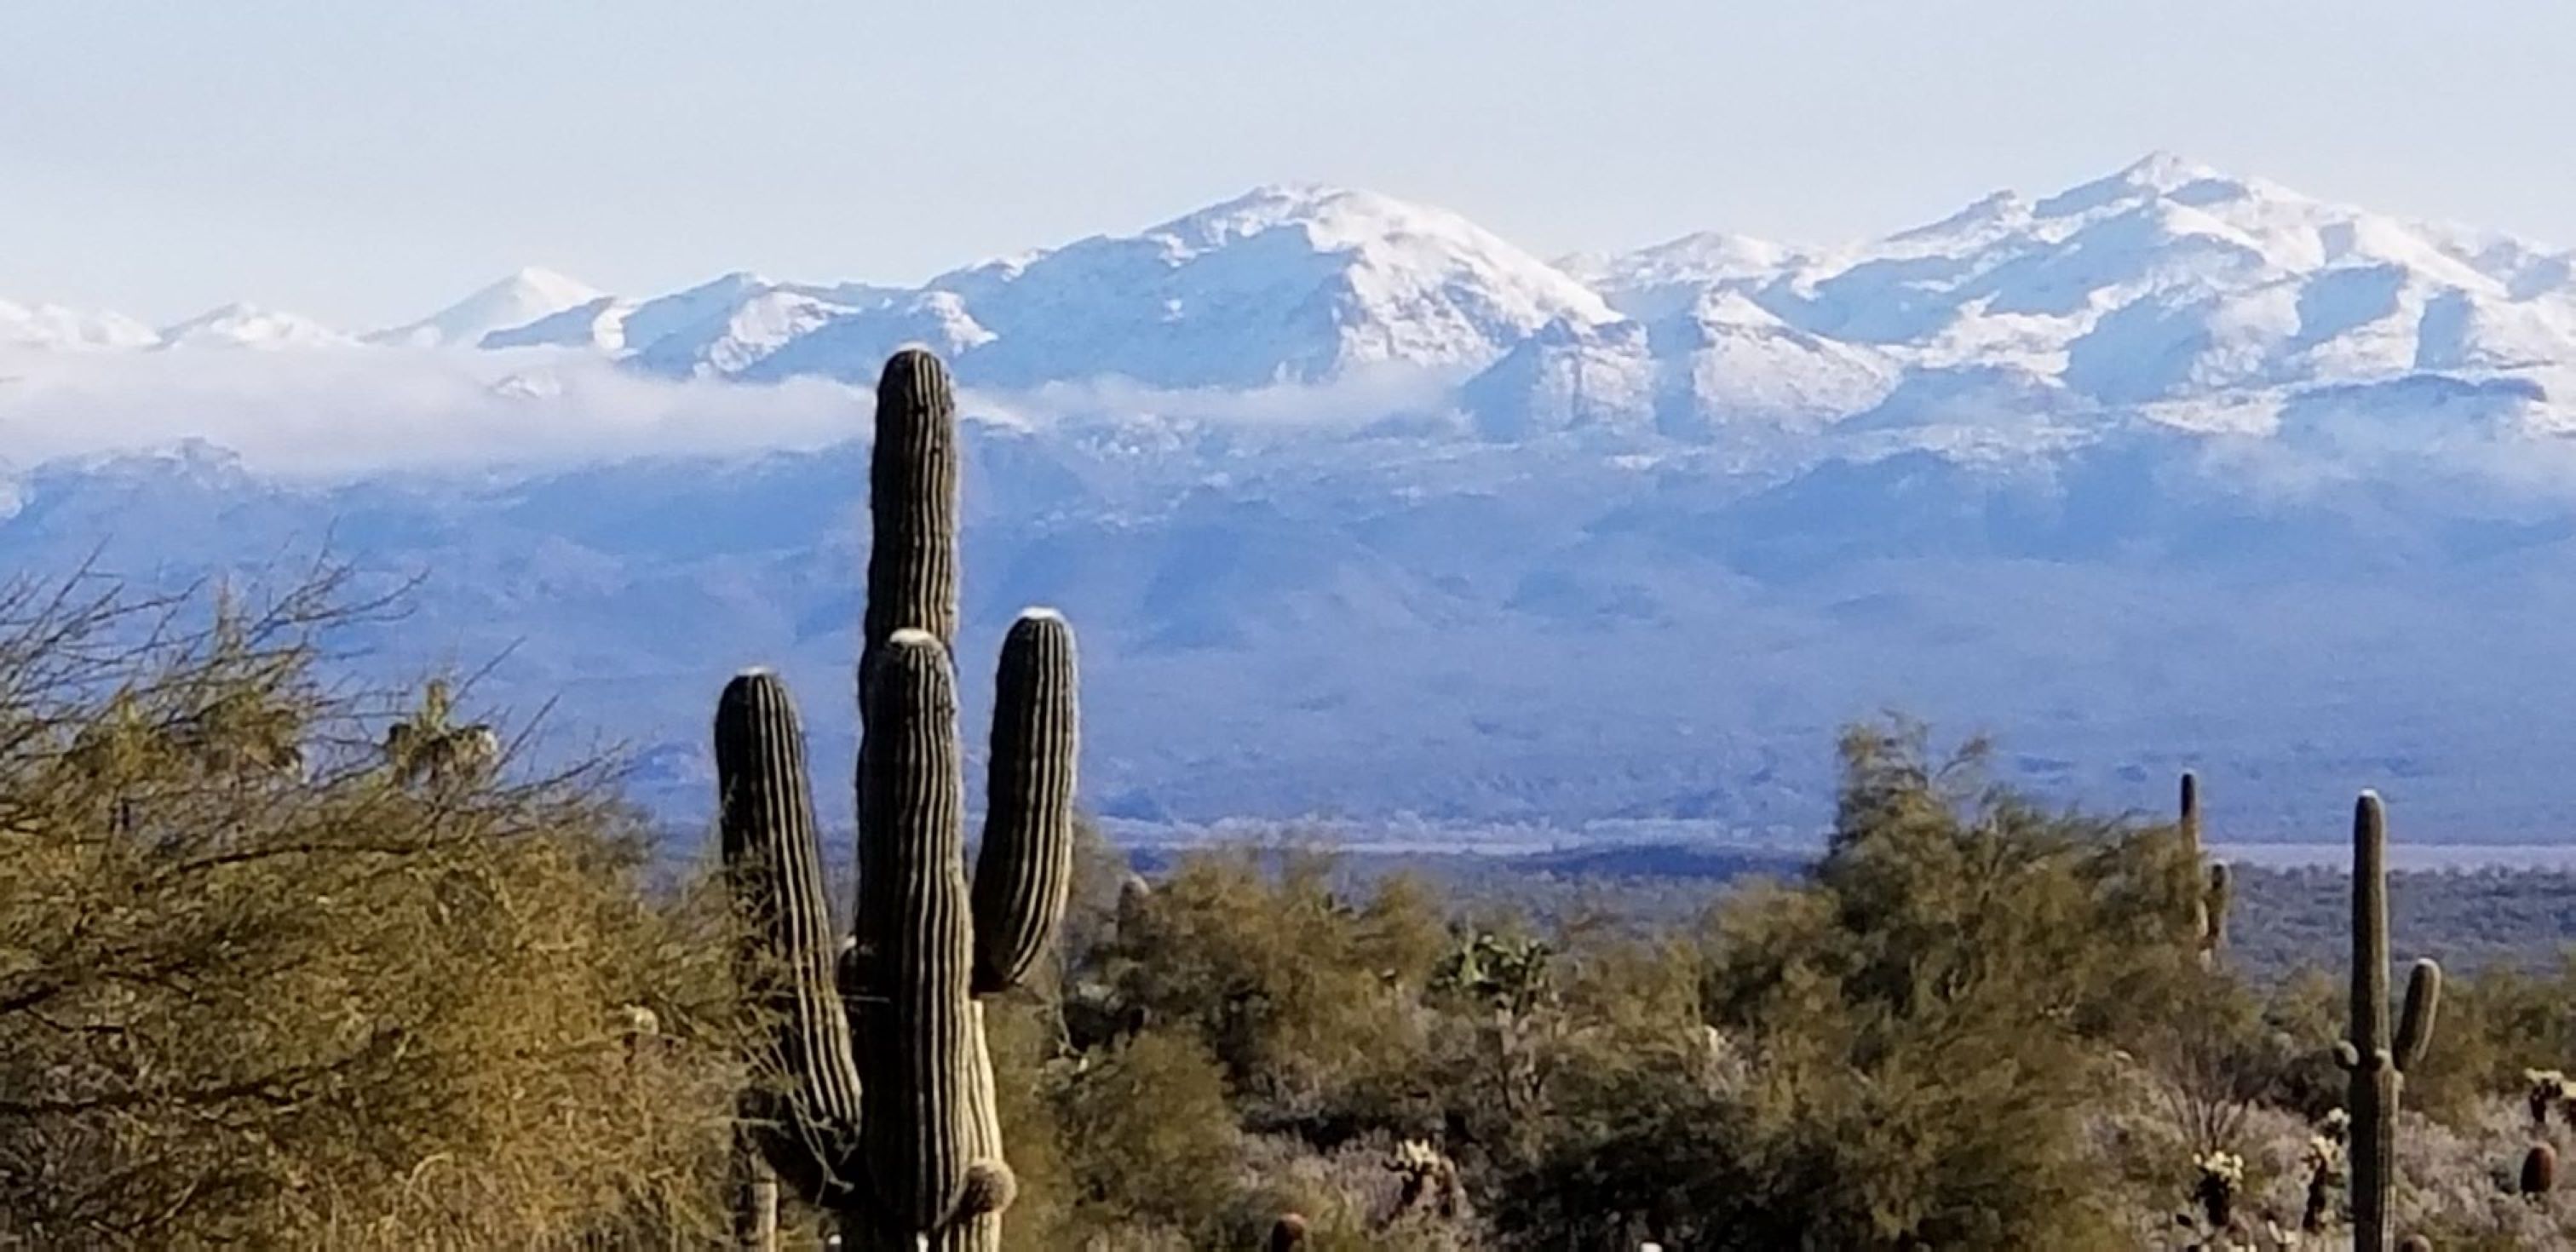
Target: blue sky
[367,162]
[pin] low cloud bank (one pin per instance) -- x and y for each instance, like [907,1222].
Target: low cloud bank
[354,411]
[350,412]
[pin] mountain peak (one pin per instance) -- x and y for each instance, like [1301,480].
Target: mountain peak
[1996,211]
[2158,175]
[245,325]
[526,295]
[550,286]
[2165,172]
[1331,216]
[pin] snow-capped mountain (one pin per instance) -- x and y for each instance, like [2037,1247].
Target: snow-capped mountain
[2167,287]
[597,324]
[2167,292]
[529,295]
[1284,284]
[1718,367]
[250,326]
[2173,467]
[725,327]
[1653,283]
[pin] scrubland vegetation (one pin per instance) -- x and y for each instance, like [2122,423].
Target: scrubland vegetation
[265,985]
[290,963]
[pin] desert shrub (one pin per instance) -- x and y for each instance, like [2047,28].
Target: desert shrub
[1306,999]
[258,988]
[1158,1143]
[1922,1026]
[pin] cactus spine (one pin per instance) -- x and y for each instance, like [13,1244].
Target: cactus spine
[2378,1063]
[883,1107]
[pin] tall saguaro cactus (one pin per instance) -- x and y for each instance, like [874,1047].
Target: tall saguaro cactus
[2209,903]
[2378,1063]
[882,1105]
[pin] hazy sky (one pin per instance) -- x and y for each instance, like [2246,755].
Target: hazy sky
[366,162]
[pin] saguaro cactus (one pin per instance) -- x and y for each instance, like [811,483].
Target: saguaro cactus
[2209,906]
[2377,1062]
[882,1108]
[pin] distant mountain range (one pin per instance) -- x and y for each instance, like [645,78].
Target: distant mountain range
[2167,291]
[1367,514]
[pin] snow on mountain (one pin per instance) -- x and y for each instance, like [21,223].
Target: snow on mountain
[51,327]
[2168,278]
[2170,468]
[1568,376]
[2165,291]
[1668,278]
[709,304]
[844,345]
[598,324]
[526,296]
[729,336]
[1283,284]
[717,329]
[1719,368]
[250,326]
[1731,358]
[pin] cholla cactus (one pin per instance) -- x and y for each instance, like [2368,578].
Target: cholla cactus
[2324,1160]
[2336,1126]
[1430,1179]
[2222,1179]
[2544,1089]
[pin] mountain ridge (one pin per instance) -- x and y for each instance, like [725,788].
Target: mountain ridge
[2167,290]
[2169,468]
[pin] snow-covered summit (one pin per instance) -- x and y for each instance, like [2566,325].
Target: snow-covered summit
[2166,282]
[1669,278]
[250,326]
[1283,283]
[529,295]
